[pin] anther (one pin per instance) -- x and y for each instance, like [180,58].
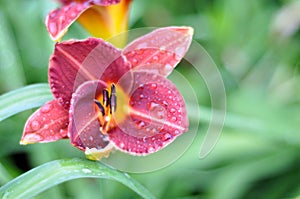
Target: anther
[100,107]
[105,97]
[113,99]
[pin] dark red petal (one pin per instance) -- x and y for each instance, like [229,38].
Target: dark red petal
[84,125]
[156,115]
[59,20]
[161,50]
[96,2]
[74,62]
[47,124]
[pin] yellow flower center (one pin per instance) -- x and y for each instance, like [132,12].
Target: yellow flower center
[111,109]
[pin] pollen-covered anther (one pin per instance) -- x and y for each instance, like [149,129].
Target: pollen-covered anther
[107,109]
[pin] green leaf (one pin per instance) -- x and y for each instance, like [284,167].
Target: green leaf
[52,173]
[23,99]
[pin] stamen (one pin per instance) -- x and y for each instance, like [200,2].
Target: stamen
[107,108]
[100,107]
[105,97]
[113,99]
[113,89]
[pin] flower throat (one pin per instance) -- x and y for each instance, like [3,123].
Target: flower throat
[107,108]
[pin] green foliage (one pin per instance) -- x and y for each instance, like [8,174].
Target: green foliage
[257,154]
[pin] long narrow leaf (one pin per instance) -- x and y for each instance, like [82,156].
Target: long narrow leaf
[52,173]
[23,99]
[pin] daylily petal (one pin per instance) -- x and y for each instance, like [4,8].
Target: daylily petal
[74,62]
[101,18]
[84,126]
[161,50]
[49,123]
[59,20]
[107,21]
[156,115]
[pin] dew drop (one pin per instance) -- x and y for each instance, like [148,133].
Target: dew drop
[172,110]
[167,69]
[53,14]
[165,103]
[156,110]
[46,108]
[122,145]
[140,124]
[162,48]
[141,96]
[155,58]
[153,86]
[150,150]
[173,119]
[53,28]
[62,18]
[62,132]
[154,131]
[153,105]
[134,61]
[73,15]
[142,45]
[66,8]
[132,103]
[179,52]
[35,125]
[167,136]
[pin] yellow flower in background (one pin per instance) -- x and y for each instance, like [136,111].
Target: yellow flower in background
[102,18]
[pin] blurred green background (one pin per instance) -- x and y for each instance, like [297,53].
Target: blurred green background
[256,46]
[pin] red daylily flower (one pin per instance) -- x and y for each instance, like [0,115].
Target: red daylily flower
[109,98]
[102,18]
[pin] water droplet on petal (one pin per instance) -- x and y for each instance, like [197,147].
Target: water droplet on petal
[62,132]
[62,18]
[141,96]
[179,52]
[167,136]
[167,69]
[35,125]
[156,110]
[173,119]
[153,105]
[155,58]
[172,110]
[46,108]
[53,28]
[134,61]
[162,48]
[141,124]
[142,45]
[150,150]
[66,8]
[153,86]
